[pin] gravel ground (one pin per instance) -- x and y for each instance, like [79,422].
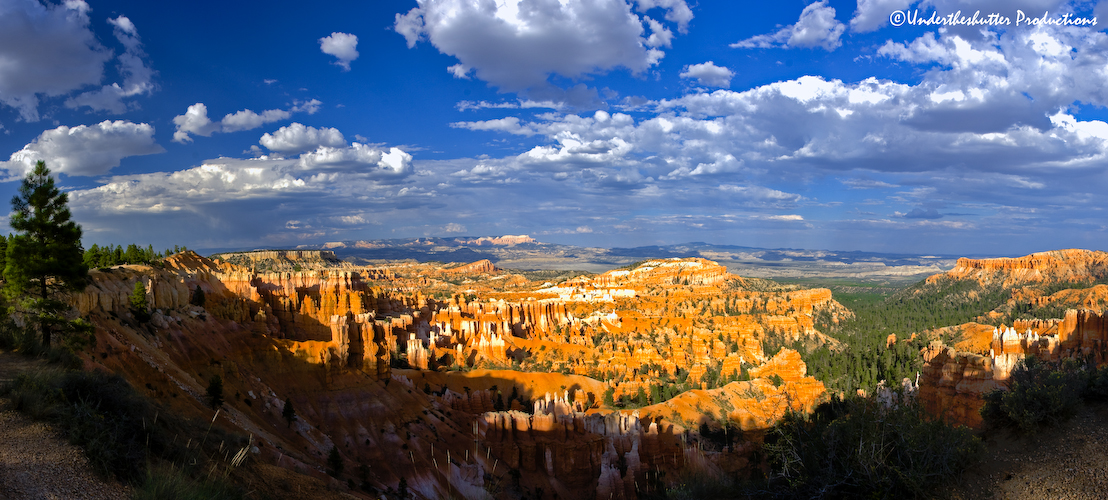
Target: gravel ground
[1067,462]
[36,463]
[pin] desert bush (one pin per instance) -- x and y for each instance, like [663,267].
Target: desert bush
[36,393]
[124,435]
[1038,393]
[1098,384]
[7,334]
[858,447]
[165,482]
[701,485]
[100,413]
[20,338]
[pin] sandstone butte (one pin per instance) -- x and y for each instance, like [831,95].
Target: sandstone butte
[335,340]
[954,378]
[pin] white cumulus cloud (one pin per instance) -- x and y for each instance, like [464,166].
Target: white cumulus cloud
[85,150]
[517,45]
[341,45]
[46,49]
[873,14]
[709,74]
[509,124]
[360,158]
[296,138]
[817,27]
[249,120]
[195,121]
[136,74]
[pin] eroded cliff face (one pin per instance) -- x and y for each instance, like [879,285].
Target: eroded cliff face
[953,381]
[954,378]
[332,340]
[1054,266]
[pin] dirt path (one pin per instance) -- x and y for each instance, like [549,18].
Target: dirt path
[1068,462]
[35,463]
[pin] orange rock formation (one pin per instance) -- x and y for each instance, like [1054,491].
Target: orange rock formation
[332,341]
[1057,265]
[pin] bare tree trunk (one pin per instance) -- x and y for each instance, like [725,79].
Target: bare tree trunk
[43,324]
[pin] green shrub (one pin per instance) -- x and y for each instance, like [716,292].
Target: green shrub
[1098,384]
[107,418]
[170,483]
[100,413]
[7,334]
[19,338]
[36,394]
[1038,393]
[123,434]
[700,485]
[859,448]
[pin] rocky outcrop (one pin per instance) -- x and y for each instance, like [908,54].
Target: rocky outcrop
[483,266]
[696,272]
[323,255]
[1054,266]
[609,454]
[330,337]
[530,318]
[952,383]
[110,290]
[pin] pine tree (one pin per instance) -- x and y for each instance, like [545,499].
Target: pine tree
[198,297]
[609,400]
[138,302]
[334,462]
[215,392]
[44,258]
[3,252]
[402,488]
[288,412]
[363,475]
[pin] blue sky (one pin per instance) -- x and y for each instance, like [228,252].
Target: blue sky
[603,123]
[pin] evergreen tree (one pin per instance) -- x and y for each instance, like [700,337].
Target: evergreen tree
[3,252]
[402,488]
[138,302]
[608,397]
[215,392]
[363,475]
[198,297]
[44,258]
[334,462]
[288,412]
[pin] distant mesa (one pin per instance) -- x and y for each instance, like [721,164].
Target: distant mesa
[1043,267]
[482,266]
[279,260]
